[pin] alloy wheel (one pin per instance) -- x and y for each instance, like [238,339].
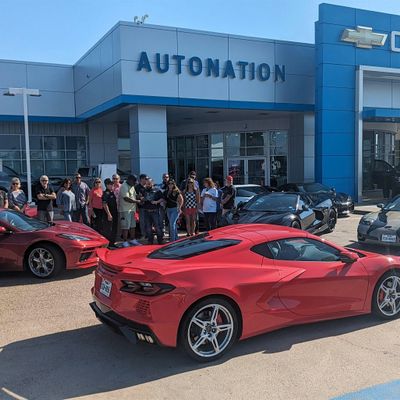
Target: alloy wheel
[210,330]
[41,262]
[388,296]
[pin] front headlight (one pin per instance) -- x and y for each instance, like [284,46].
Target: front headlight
[74,237]
[365,222]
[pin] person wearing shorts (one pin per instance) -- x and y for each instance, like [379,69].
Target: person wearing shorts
[127,209]
[191,197]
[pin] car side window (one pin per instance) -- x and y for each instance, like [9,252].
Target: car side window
[303,249]
[263,250]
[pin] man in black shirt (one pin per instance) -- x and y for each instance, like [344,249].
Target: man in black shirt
[228,195]
[151,209]
[140,188]
[110,223]
[45,196]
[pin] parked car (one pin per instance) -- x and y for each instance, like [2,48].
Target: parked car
[385,177]
[245,192]
[206,292]
[102,171]
[343,203]
[45,249]
[296,210]
[8,173]
[381,227]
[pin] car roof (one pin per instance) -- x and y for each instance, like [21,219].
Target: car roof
[257,232]
[248,185]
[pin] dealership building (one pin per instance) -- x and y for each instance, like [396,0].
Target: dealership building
[154,99]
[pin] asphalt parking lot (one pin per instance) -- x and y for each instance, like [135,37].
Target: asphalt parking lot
[52,347]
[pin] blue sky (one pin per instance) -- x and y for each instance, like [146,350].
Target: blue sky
[61,31]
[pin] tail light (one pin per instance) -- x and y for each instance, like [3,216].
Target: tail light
[146,288]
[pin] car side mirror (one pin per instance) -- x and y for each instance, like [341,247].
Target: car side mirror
[380,205]
[305,207]
[348,257]
[3,230]
[240,205]
[333,189]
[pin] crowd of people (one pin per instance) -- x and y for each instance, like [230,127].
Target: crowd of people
[115,211]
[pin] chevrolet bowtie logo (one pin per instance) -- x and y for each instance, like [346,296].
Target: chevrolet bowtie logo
[363,37]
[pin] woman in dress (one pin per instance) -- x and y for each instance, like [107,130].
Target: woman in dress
[16,197]
[66,200]
[96,205]
[209,198]
[191,198]
[174,202]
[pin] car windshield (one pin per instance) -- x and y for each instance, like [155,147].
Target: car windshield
[314,188]
[393,205]
[273,202]
[21,221]
[191,247]
[249,191]
[9,171]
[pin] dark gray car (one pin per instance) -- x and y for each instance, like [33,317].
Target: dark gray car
[381,227]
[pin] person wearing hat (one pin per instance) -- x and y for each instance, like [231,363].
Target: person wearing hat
[110,223]
[228,195]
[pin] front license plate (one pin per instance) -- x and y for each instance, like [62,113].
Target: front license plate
[105,287]
[389,238]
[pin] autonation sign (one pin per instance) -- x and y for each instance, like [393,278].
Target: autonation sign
[212,67]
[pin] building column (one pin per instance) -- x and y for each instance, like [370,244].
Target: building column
[148,133]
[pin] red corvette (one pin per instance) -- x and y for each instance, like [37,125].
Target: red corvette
[45,249]
[203,293]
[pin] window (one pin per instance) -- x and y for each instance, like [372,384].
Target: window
[303,249]
[21,221]
[192,247]
[273,202]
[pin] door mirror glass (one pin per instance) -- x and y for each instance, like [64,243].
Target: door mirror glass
[380,205]
[348,257]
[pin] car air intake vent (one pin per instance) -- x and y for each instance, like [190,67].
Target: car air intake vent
[143,307]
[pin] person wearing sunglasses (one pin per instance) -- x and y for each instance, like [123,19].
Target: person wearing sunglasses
[45,196]
[16,197]
[96,210]
[81,191]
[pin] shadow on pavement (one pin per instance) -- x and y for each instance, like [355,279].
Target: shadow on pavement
[17,278]
[95,360]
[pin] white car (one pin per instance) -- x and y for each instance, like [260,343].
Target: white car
[245,192]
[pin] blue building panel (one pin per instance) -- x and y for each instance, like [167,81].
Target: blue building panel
[373,57]
[337,121]
[333,75]
[380,21]
[333,98]
[340,54]
[337,144]
[339,15]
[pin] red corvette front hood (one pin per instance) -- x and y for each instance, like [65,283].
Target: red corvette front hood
[75,229]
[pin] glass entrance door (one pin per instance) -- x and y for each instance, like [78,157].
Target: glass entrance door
[248,170]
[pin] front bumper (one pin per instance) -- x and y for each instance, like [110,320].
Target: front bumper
[133,331]
[366,234]
[345,208]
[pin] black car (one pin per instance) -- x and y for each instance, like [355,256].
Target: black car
[8,173]
[385,177]
[296,210]
[343,202]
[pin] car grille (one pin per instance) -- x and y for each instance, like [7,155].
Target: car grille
[143,307]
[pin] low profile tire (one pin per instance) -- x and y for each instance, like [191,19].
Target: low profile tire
[332,219]
[386,297]
[209,329]
[45,261]
[295,225]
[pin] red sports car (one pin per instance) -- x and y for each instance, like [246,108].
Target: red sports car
[45,249]
[205,292]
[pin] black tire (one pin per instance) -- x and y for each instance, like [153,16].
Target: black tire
[379,296]
[190,333]
[332,219]
[295,225]
[44,261]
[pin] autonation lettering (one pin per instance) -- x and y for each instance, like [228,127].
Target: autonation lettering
[211,67]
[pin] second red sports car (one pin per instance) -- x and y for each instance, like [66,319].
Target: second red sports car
[45,249]
[205,292]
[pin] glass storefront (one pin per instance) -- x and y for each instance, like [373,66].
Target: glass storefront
[52,155]
[250,157]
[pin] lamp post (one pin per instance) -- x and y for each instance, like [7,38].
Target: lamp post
[25,93]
